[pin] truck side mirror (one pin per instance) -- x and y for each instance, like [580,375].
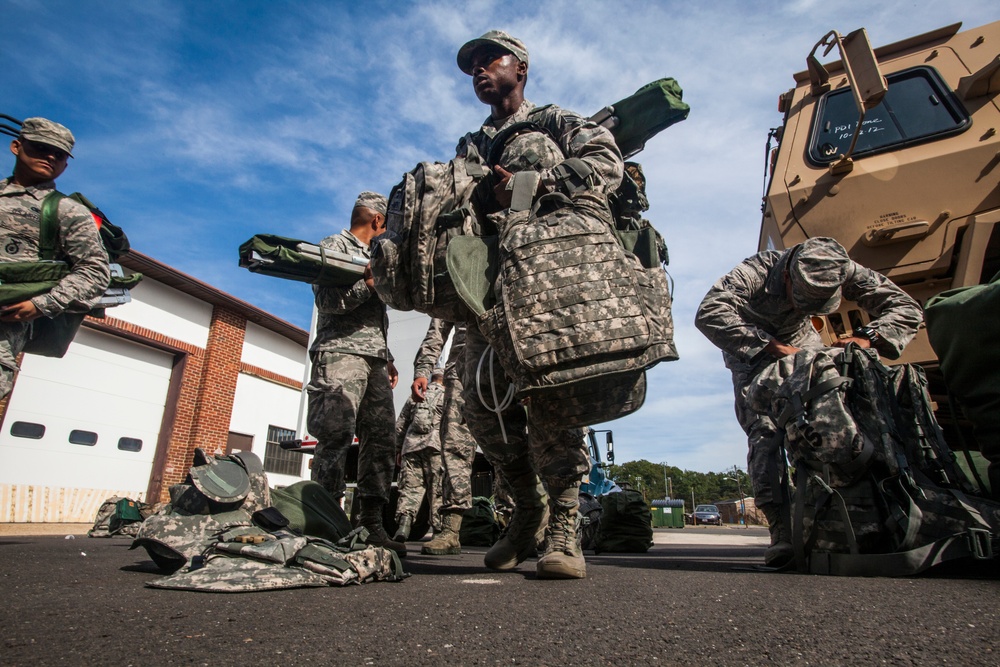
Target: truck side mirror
[867,83]
[610,442]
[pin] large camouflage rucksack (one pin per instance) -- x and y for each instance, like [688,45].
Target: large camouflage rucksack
[424,211]
[220,533]
[877,490]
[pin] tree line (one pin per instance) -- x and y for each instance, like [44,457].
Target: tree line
[659,480]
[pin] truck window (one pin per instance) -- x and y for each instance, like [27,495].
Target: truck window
[919,107]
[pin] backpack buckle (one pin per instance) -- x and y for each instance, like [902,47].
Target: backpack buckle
[980,543]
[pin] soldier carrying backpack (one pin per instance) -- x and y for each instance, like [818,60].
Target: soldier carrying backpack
[42,149]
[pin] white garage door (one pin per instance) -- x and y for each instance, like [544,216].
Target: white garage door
[88,421]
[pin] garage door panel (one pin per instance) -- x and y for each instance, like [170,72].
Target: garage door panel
[106,385]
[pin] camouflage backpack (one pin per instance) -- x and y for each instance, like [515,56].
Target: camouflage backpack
[877,490]
[119,516]
[424,211]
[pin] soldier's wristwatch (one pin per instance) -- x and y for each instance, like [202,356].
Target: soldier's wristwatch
[869,333]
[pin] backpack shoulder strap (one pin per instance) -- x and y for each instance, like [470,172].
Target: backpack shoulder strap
[48,230]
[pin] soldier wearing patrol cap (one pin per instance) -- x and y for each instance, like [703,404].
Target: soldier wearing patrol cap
[352,377]
[41,153]
[535,454]
[762,311]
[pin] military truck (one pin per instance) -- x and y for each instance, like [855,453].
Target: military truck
[894,152]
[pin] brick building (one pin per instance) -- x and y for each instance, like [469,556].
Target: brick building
[183,365]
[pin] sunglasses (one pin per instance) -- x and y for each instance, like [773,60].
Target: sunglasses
[39,148]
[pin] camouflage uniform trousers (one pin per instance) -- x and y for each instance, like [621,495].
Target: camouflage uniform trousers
[13,337]
[458,449]
[420,475]
[526,442]
[350,394]
[765,457]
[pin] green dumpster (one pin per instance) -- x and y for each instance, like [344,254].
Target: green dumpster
[668,513]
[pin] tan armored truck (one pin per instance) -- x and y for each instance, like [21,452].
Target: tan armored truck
[895,152]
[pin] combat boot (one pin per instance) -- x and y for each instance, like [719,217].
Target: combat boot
[446,542]
[781,552]
[404,524]
[526,528]
[371,518]
[563,558]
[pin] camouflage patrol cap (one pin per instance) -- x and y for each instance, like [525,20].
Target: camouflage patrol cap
[372,200]
[45,131]
[494,38]
[817,268]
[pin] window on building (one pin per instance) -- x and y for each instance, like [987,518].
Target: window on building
[278,460]
[87,438]
[919,107]
[238,442]
[129,444]
[27,430]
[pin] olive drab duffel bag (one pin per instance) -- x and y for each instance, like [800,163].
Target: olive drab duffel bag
[877,490]
[292,259]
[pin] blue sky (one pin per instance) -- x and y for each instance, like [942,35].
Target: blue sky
[200,124]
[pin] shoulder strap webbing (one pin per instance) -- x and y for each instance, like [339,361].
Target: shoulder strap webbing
[48,230]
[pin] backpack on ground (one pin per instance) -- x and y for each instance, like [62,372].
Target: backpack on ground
[588,520]
[119,516]
[19,281]
[877,490]
[626,524]
[480,527]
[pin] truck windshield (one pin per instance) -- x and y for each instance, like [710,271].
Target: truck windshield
[919,107]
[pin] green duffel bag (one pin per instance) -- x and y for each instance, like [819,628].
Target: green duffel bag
[639,117]
[311,510]
[292,259]
[963,326]
[20,281]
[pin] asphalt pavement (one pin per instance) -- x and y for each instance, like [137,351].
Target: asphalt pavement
[695,598]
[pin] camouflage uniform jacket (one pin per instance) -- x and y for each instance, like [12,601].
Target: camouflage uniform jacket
[576,136]
[350,319]
[748,307]
[419,424]
[79,243]
[432,346]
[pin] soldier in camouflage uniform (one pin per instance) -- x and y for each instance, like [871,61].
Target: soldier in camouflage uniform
[527,445]
[42,152]
[458,448]
[761,311]
[418,440]
[350,389]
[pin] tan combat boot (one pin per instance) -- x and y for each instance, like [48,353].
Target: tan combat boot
[781,552]
[446,542]
[371,518]
[563,558]
[520,542]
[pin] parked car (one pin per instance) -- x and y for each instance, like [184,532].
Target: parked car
[707,514]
